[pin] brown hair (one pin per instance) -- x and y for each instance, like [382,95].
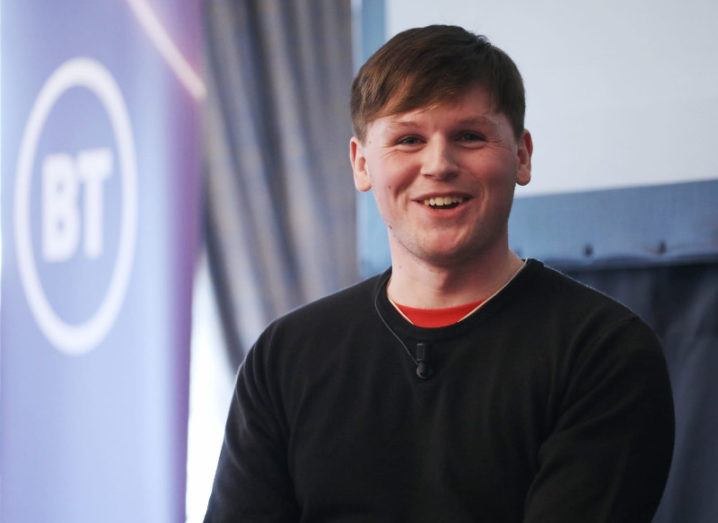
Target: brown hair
[427,65]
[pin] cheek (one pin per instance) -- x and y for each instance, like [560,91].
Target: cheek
[498,173]
[497,180]
[390,181]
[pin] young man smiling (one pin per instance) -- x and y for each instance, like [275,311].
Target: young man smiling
[443,177]
[463,384]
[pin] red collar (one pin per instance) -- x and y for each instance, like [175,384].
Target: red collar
[433,318]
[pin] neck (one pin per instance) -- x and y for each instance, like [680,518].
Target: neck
[428,286]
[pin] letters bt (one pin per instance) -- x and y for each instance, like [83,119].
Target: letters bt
[62,178]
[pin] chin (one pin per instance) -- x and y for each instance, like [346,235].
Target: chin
[450,256]
[457,253]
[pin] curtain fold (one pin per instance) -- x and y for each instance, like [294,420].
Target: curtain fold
[280,204]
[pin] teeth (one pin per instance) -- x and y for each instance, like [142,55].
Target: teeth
[441,201]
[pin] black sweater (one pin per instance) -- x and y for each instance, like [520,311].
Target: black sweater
[551,403]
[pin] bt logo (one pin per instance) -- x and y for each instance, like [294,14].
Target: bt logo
[62,176]
[72,197]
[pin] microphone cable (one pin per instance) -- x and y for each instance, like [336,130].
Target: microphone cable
[423,369]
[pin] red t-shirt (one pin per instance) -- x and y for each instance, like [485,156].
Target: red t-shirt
[432,318]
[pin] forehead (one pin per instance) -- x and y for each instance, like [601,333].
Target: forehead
[473,106]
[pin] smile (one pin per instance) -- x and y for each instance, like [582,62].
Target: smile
[444,202]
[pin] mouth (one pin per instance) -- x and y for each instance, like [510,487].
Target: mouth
[444,202]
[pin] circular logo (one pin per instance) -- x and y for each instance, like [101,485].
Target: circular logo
[77,339]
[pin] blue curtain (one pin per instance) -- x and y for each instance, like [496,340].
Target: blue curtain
[280,204]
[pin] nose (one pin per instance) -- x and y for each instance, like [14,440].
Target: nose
[439,161]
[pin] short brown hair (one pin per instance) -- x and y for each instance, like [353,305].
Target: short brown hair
[428,65]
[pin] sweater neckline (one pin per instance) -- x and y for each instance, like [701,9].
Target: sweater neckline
[406,329]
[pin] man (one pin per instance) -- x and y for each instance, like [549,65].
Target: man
[464,384]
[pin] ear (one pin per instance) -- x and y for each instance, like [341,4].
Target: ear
[362,180]
[524,151]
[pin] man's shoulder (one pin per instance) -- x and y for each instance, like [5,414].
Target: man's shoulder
[584,321]
[319,328]
[565,294]
[337,308]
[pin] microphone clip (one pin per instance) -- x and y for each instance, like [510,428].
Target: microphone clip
[424,371]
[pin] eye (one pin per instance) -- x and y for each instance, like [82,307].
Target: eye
[408,140]
[471,136]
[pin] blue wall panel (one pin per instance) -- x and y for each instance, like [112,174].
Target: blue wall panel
[664,224]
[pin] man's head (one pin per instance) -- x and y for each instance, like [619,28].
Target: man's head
[436,64]
[439,140]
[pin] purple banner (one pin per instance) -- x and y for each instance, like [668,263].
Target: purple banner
[100,110]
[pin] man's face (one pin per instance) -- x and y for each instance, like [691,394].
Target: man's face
[444,177]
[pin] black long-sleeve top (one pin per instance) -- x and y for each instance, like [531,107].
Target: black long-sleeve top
[551,403]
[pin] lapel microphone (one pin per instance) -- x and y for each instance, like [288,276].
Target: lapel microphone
[423,369]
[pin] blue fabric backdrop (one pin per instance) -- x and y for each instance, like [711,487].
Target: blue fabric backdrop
[280,209]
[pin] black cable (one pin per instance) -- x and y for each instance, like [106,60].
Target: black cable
[376,307]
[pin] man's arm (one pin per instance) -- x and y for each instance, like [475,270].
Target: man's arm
[608,456]
[252,482]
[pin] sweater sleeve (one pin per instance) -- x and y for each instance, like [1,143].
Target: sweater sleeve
[607,458]
[252,483]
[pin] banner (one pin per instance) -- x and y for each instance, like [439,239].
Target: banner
[100,180]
